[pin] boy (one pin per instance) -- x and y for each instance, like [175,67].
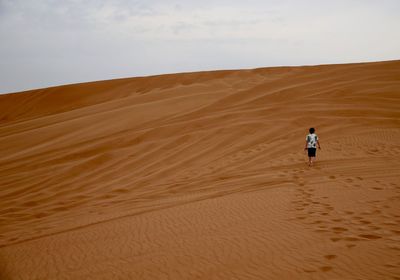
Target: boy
[311,145]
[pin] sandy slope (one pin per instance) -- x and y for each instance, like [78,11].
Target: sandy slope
[203,176]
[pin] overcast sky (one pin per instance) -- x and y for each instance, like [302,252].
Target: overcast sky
[52,42]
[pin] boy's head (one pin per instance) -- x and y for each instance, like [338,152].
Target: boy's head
[312,130]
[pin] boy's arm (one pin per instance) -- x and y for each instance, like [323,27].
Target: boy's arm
[305,147]
[319,146]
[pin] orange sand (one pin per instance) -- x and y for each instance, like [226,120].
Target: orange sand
[203,176]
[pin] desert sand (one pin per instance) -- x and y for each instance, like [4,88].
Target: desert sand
[203,176]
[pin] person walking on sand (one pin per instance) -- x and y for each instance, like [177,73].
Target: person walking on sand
[311,145]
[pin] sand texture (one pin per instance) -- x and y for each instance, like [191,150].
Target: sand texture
[203,176]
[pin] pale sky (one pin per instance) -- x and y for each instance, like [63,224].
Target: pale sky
[52,42]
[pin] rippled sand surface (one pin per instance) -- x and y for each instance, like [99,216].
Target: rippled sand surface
[203,176]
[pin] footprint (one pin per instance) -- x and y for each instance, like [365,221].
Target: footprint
[394,247]
[107,196]
[375,201]
[317,222]
[339,229]
[332,177]
[330,257]
[335,239]
[321,230]
[325,268]
[370,236]
[374,227]
[350,238]
[390,223]
[39,215]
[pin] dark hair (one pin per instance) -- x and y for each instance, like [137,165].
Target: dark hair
[312,130]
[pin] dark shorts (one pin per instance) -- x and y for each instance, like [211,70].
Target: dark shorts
[311,152]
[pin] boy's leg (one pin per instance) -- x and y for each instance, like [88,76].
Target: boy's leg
[311,158]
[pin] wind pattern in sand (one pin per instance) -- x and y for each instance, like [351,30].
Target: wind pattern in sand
[203,176]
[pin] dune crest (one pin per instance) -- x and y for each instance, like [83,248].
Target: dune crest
[203,175]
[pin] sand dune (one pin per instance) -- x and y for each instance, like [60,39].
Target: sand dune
[203,176]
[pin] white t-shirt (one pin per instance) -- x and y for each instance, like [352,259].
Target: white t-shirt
[312,139]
